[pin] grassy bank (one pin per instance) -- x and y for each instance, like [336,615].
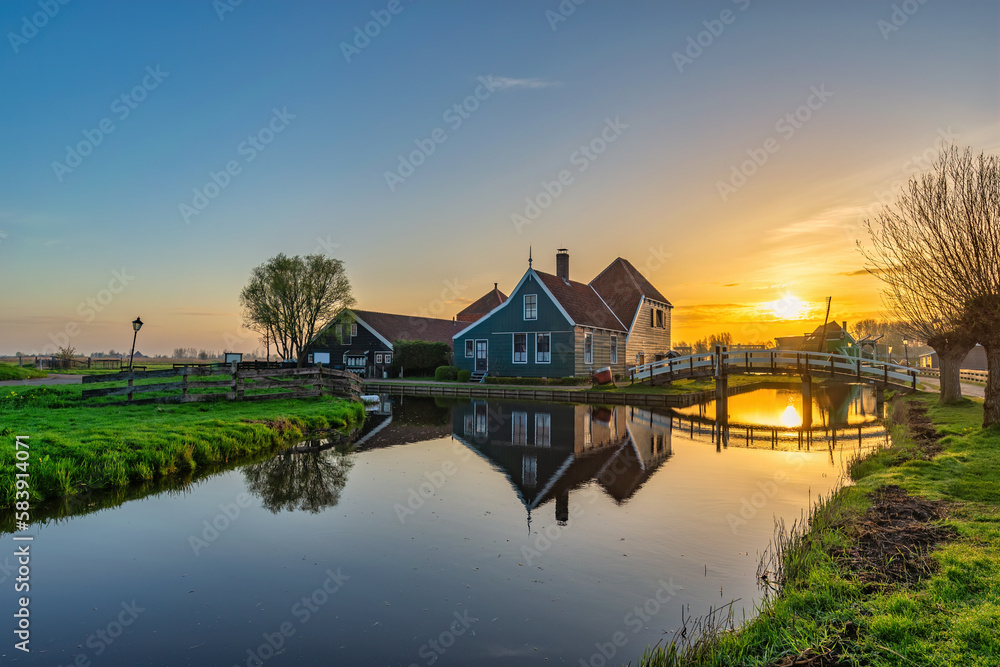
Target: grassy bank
[76,449]
[8,372]
[903,568]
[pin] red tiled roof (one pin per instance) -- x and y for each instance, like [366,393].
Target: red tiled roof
[406,327]
[481,306]
[622,286]
[582,303]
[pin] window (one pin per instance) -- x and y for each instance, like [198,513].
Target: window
[659,319]
[588,348]
[543,348]
[519,428]
[378,358]
[310,359]
[470,349]
[387,357]
[521,348]
[529,471]
[356,361]
[588,427]
[543,429]
[354,330]
[531,306]
[614,349]
[470,423]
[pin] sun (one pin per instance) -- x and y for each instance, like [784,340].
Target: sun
[788,307]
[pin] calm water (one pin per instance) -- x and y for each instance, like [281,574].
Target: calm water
[458,533]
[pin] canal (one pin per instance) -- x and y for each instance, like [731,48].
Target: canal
[450,532]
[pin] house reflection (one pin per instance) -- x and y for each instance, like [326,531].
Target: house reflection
[547,449]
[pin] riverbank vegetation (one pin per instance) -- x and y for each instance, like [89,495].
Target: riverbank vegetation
[8,372]
[76,448]
[903,568]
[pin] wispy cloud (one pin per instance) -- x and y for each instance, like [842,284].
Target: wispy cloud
[508,83]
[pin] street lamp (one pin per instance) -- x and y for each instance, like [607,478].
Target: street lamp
[906,352]
[136,325]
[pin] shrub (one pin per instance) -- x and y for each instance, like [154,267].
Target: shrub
[464,375]
[445,373]
[419,357]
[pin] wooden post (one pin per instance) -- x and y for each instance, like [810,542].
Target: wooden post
[772,363]
[859,370]
[184,384]
[131,386]
[237,393]
[885,374]
[831,366]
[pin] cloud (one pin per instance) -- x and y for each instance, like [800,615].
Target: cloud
[730,284]
[508,83]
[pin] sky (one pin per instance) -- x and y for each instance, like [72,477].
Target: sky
[155,152]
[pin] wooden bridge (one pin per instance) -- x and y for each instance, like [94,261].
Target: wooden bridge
[721,363]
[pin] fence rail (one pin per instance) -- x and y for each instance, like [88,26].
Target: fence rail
[776,362]
[967,375]
[191,384]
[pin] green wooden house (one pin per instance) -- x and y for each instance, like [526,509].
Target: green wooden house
[552,326]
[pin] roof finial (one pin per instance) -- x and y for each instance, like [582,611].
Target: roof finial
[529,256]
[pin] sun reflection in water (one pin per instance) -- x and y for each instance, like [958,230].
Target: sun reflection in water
[790,417]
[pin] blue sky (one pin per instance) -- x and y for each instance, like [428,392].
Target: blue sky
[656,194]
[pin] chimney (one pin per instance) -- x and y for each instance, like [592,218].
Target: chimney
[843,333]
[494,287]
[562,264]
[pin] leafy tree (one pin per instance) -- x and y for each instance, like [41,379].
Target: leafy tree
[287,299]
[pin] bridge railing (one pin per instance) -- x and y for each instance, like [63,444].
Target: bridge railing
[778,362]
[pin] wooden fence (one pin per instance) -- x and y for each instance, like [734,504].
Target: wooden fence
[964,374]
[193,384]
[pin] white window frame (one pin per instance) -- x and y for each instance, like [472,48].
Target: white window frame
[588,341]
[470,348]
[387,357]
[513,348]
[529,471]
[614,349]
[378,357]
[519,427]
[543,429]
[534,313]
[354,330]
[538,358]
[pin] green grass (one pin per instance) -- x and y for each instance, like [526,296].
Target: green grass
[8,372]
[76,449]
[951,618]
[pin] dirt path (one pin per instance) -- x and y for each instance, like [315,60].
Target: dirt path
[49,380]
[967,389]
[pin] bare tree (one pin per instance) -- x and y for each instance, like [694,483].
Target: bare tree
[937,248]
[288,299]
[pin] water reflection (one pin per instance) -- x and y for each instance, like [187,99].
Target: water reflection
[309,481]
[832,405]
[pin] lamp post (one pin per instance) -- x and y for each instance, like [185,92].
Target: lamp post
[136,325]
[906,352]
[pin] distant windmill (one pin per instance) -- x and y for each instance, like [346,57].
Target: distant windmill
[822,338]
